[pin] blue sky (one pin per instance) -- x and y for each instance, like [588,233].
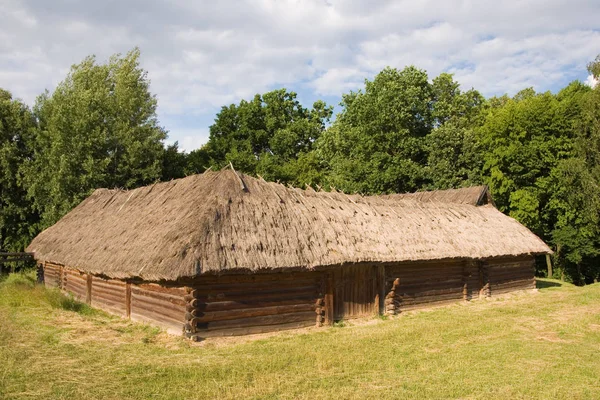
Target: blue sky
[201,55]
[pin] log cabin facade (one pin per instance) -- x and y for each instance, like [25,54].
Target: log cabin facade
[223,254]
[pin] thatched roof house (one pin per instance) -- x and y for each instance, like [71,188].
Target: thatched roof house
[221,225]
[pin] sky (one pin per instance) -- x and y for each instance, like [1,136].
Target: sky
[202,55]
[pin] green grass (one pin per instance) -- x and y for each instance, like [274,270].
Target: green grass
[534,345]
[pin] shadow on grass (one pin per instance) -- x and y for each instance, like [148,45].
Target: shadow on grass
[67,302]
[544,284]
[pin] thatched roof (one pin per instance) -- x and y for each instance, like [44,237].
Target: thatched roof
[474,195]
[222,222]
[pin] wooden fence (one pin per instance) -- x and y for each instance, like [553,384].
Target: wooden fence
[6,258]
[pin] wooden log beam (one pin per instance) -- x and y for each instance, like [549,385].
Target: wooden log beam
[306,317]
[329,299]
[249,330]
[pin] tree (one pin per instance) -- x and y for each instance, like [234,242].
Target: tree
[577,196]
[376,143]
[453,152]
[97,129]
[174,163]
[267,135]
[528,144]
[17,218]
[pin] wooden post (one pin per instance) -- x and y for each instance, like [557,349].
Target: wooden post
[380,289]
[465,278]
[320,311]
[40,274]
[484,280]
[329,298]
[549,264]
[191,314]
[393,299]
[88,297]
[62,278]
[128,299]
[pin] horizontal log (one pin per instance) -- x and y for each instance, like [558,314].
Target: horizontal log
[508,288]
[75,284]
[155,287]
[14,254]
[10,260]
[425,286]
[168,323]
[255,286]
[272,277]
[513,281]
[108,284]
[508,263]
[105,292]
[142,301]
[254,312]
[433,292]
[504,271]
[80,291]
[253,329]
[259,321]
[172,297]
[108,298]
[254,297]
[408,276]
[516,277]
[426,265]
[241,291]
[253,303]
[430,299]
[417,306]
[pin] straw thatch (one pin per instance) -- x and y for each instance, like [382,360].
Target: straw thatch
[222,221]
[474,195]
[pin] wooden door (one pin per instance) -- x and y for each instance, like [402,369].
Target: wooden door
[355,292]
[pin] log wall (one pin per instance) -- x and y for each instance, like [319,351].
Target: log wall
[109,295]
[424,284]
[75,282]
[506,275]
[150,303]
[246,304]
[159,305]
[231,305]
[52,275]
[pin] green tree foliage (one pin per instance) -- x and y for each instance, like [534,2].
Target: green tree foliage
[17,218]
[403,133]
[376,143]
[524,139]
[270,135]
[454,156]
[97,129]
[577,197]
[176,164]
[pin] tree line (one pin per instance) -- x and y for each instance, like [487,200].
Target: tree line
[538,152]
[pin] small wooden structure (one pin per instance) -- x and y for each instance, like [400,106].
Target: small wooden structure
[226,254]
[12,258]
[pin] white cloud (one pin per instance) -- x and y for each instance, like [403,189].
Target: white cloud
[204,54]
[189,139]
[591,81]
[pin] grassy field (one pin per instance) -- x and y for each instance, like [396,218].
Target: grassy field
[532,345]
